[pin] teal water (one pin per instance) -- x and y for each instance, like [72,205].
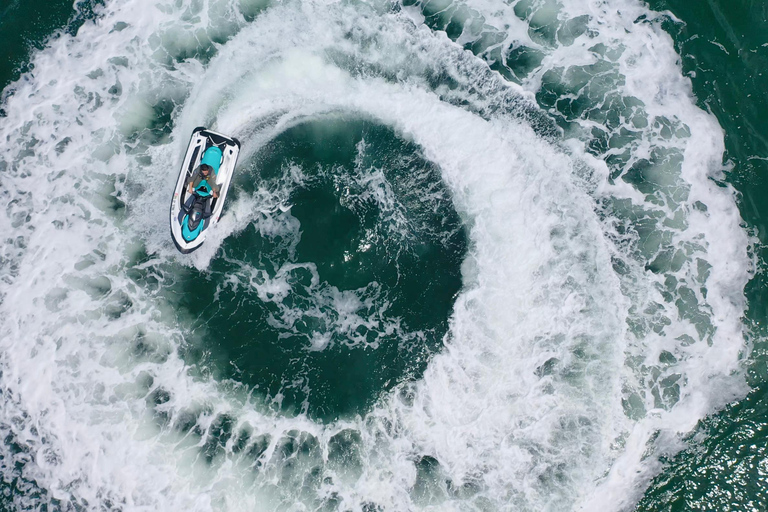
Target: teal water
[407,281]
[724,50]
[342,286]
[28,26]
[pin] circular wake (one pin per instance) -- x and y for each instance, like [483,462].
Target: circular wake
[476,257]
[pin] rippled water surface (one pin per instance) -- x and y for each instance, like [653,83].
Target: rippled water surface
[477,255]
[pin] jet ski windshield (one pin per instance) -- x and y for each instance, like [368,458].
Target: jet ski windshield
[194,219]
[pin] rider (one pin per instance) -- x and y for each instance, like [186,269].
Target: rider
[203,172]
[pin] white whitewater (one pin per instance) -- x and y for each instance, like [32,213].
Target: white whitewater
[599,320]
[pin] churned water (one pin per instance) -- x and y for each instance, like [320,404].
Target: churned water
[478,255]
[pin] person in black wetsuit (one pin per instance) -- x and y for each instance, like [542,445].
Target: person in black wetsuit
[203,172]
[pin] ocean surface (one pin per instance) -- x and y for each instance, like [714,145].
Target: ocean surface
[478,256]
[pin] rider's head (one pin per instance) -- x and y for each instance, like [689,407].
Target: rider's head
[205,169]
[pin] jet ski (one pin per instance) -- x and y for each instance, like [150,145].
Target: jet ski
[193,215]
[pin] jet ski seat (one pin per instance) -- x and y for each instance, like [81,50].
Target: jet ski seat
[212,157]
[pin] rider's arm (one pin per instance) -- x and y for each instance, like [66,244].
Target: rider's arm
[191,179]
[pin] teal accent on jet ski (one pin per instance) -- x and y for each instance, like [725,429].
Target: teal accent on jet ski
[188,234]
[212,157]
[203,185]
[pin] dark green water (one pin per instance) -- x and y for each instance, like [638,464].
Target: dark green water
[724,49]
[368,242]
[27,26]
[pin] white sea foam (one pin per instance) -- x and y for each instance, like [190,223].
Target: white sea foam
[568,369]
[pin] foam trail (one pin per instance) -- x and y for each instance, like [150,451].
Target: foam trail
[588,62]
[602,292]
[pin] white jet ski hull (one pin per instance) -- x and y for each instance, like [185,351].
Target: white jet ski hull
[201,140]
